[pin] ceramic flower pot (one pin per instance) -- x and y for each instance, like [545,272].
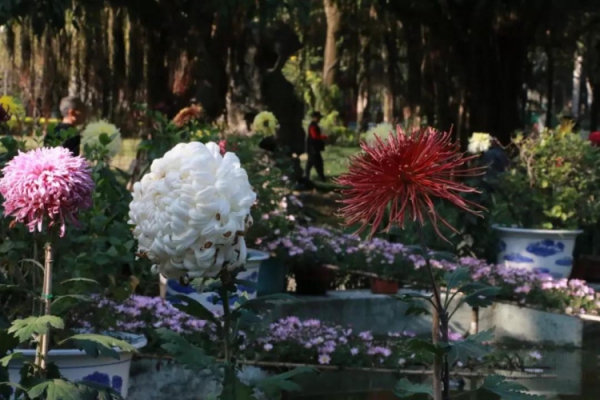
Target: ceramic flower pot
[383,286]
[76,365]
[255,258]
[538,250]
[313,280]
[272,277]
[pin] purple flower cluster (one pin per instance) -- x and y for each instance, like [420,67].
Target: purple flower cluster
[316,341]
[327,246]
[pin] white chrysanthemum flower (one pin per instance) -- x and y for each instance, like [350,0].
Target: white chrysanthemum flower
[191,210]
[480,143]
[92,132]
[265,123]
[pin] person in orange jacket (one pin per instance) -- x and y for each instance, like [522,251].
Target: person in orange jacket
[315,144]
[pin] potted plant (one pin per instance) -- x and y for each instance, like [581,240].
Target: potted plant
[548,194]
[43,189]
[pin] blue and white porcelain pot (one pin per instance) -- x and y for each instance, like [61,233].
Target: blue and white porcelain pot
[76,365]
[540,250]
[255,258]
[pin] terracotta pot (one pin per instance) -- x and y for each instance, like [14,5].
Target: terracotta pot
[313,280]
[382,286]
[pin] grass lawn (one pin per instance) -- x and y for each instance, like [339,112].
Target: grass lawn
[335,159]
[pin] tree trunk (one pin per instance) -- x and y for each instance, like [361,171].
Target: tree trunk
[330,57]
[550,80]
[575,98]
[414,53]
[391,62]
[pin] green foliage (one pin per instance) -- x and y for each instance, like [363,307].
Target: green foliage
[505,389]
[25,329]
[553,183]
[274,385]
[184,352]
[100,345]
[406,388]
[474,346]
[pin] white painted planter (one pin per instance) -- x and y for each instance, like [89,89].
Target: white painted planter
[76,365]
[255,257]
[539,250]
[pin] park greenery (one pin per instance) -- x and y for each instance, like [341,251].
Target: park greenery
[245,75]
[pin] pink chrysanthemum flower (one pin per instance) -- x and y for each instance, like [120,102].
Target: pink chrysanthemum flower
[46,183]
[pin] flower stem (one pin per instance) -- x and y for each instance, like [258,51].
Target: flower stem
[229,384]
[440,320]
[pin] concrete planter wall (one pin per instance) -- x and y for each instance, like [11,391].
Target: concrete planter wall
[255,258]
[76,365]
[539,250]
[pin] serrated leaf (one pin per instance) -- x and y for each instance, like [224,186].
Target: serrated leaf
[55,389]
[25,329]
[4,361]
[195,309]
[183,351]
[95,391]
[100,345]
[457,278]
[423,346]
[507,390]
[471,347]
[481,298]
[406,388]
[282,381]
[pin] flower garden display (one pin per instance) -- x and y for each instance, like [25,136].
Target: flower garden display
[398,179]
[549,194]
[44,189]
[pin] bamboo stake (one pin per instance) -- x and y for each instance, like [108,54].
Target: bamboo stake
[44,340]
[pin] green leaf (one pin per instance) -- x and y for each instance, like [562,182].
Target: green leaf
[471,347]
[481,298]
[282,381]
[406,388]
[423,346]
[457,278]
[416,308]
[78,297]
[195,309]
[7,342]
[183,351]
[409,297]
[25,329]
[507,390]
[100,345]
[4,361]
[55,389]
[96,391]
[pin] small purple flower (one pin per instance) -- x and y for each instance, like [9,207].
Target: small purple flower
[324,359]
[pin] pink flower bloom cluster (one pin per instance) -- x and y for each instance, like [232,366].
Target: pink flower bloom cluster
[46,184]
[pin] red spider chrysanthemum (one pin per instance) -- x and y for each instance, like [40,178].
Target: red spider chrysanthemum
[406,172]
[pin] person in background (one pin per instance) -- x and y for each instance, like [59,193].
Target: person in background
[595,138]
[72,110]
[315,144]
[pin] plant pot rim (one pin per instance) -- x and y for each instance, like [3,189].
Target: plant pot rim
[257,255]
[565,232]
[137,341]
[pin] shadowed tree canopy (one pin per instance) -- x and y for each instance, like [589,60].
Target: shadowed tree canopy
[474,65]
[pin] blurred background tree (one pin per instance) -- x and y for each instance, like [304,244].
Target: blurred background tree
[476,65]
